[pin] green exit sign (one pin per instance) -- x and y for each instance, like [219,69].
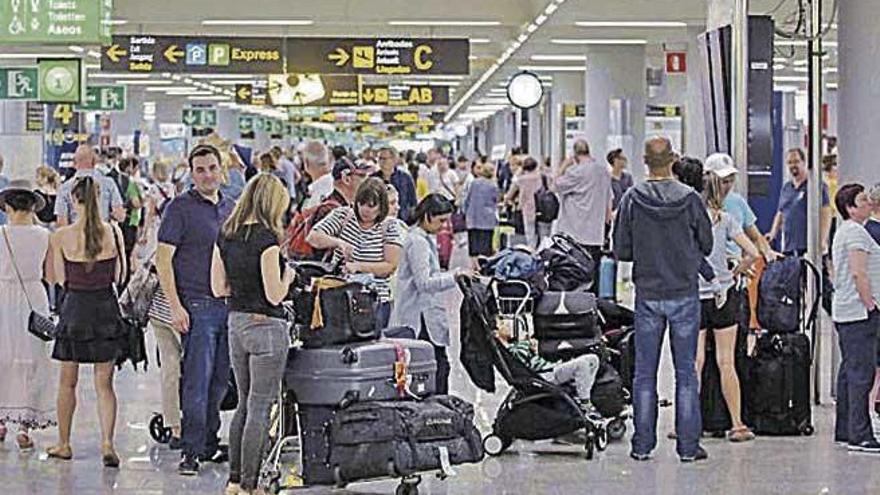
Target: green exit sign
[200,117]
[104,99]
[19,83]
[55,21]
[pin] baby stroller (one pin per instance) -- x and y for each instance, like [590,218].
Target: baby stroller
[534,409]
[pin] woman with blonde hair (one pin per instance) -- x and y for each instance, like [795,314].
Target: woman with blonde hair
[48,182]
[88,259]
[248,268]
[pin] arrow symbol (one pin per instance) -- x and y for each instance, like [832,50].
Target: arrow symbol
[341,57]
[173,54]
[244,93]
[115,53]
[368,96]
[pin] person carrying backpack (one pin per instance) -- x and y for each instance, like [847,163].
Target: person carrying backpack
[530,190]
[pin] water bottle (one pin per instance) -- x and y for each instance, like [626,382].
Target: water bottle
[607,278]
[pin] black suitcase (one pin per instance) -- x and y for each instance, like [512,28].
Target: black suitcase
[348,313]
[369,440]
[608,395]
[778,395]
[566,315]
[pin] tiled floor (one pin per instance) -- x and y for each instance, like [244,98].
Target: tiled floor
[767,466]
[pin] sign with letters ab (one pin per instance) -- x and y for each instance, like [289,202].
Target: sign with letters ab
[378,56]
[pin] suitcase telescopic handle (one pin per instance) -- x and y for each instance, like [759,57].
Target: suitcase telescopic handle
[349,357]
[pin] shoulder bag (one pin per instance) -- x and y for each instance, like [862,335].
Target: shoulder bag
[40,326]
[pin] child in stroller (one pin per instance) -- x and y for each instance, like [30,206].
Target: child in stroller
[579,372]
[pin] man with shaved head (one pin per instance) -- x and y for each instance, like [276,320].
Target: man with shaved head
[664,229]
[109,200]
[316,159]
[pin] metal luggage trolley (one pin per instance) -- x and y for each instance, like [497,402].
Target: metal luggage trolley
[516,303]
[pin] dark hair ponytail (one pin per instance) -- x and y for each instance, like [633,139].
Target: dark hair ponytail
[85,192]
[433,205]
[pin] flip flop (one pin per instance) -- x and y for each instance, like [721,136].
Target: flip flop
[60,453]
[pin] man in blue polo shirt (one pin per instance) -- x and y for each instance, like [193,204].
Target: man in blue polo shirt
[791,219]
[401,180]
[189,229]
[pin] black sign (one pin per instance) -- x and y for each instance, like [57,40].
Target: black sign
[190,54]
[314,90]
[252,94]
[379,56]
[35,114]
[401,95]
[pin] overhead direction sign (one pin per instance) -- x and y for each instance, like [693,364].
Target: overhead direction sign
[200,117]
[19,83]
[401,95]
[378,56]
[314,90]
[55,21]
[252,94]
[103,99]
[412,118]
[191,54]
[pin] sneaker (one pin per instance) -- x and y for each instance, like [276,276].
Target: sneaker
[189,466]
[866,447]
[700,455]
[640,457]
[219,456]
[175,443]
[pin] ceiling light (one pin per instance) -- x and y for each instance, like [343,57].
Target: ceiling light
[142,82]
[559,58]
[35,55]
[801,69]
[233,82]
[114,22]
[597,41]
[219,76]
[189,92]
[830,70]
[786,89]
[779,67]
[77,49]
[208,98]
[551,9]
[444,23]
[796,43]
[540,19]
[479,41]
[791,78]
[421,82]
[492,101]
[163,89]
[105,75]
[831,86]
[631,24]
[257,22]
[95,54]
[780,60]
[554,68]
[800,62]
[472,57]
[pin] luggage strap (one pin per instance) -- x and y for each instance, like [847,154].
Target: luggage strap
[319,285]
[400,368]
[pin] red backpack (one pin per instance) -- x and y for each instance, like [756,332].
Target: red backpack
[301,225]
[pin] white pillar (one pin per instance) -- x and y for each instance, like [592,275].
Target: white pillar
[568,88]
[694,117]
[859,120]
[22,151]
[615,102]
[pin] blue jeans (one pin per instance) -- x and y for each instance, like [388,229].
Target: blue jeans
[858,351]
[205,375]
[383,316]
[651,318]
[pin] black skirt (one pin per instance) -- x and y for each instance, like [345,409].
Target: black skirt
[89,329]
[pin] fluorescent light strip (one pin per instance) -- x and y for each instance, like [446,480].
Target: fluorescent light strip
[631,24]
[208,98]
[114,22]
[257,22]
[20,56]
[77,49]
[559,58]
[419,82]
[189,92]
[444,23]
[598,41]
[137,82]
[163,89]
[791,79]
[553,68]
[479,41]
[233,82]
[797,43]
[220,76]
[105,75]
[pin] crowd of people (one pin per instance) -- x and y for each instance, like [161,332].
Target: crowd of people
[219,228]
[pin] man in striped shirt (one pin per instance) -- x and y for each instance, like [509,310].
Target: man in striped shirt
[581,370]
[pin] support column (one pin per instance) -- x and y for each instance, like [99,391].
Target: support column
[568,88]
[615,102]
[22,151]
[694,118]
[859,121]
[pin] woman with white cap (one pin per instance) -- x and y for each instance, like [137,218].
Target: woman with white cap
[27,396]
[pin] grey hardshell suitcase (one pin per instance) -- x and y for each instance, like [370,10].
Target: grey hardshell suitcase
[387,369]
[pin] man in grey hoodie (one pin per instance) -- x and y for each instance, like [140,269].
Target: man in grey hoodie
[663,228]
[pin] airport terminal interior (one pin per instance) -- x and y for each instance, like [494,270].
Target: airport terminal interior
[439,247]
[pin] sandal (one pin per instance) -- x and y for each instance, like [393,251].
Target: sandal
[24,441]
[59,452]
[741,434]
[109,457]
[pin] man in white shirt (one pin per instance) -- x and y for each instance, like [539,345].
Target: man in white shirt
[317,166]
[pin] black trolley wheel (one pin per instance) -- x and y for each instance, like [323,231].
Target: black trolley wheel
[601,438]
[590,445]
[158,431]
[616,429]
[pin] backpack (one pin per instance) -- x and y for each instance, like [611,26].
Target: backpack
[300,227]
[568,264]
[546,203]
[781,293]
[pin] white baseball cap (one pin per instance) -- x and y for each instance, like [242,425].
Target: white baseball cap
[721,164]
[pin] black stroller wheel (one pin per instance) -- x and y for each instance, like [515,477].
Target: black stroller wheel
[495,444]
[158,431]
[601,438]
[590,445]
[616,429]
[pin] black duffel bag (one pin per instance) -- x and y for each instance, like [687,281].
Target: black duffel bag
[346,313]
[568,264]
[399,438]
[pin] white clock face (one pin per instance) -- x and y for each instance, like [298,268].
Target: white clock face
[59,81]
[525,90]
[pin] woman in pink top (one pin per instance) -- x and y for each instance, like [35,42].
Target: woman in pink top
[522,193]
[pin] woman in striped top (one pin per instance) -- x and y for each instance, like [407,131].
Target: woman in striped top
[365,238]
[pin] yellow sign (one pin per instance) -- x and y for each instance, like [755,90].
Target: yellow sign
[364,57]
[115,53]
[340,56]
[63,114]
[244,92]
[173,54]
[420,57]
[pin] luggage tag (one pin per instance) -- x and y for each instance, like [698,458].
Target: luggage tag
[402,378]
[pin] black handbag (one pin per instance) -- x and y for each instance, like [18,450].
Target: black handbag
[40,326]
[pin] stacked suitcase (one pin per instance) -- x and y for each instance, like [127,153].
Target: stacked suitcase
[367,407]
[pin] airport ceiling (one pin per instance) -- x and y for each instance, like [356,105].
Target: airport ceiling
[493,26]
